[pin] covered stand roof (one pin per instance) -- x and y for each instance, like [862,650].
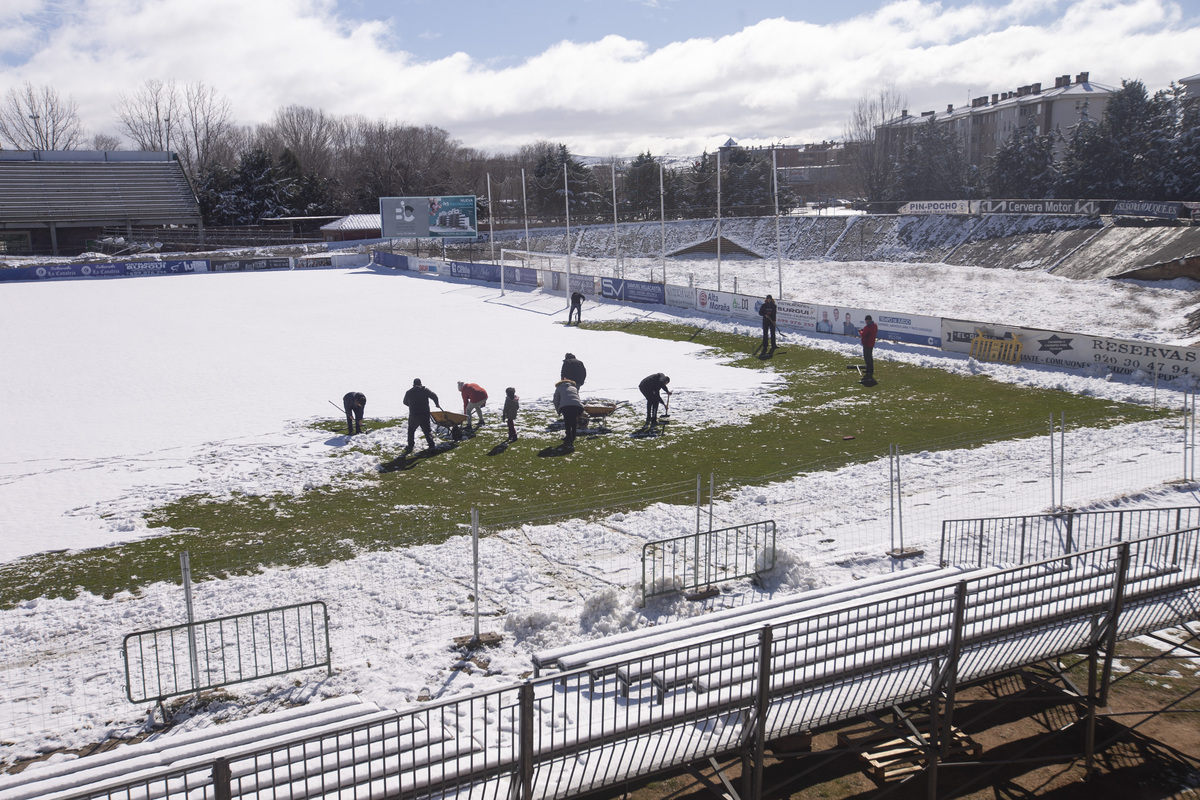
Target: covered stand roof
[94,187]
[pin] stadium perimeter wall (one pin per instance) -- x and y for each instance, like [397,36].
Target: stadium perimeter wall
[1040,347]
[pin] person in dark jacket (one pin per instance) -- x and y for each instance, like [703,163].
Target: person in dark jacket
[417,399]
[768,312]
[573,370]
[567,403]
[576,308]
[650,387]
[354,403]
[512,404]
[867,335]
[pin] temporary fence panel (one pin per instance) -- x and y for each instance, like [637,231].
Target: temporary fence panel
[181,659]
[1025,539]
[700,559]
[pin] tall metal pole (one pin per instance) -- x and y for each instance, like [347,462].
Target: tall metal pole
[567,204]
[525,210]
[475,557]
[662,226]
[492,225]
[778,241]
[718,220]
[616,230]
[185,566]
[1053,489]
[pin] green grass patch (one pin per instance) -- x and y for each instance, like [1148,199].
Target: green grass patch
[425,500]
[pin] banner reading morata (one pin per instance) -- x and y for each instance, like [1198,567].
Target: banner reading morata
[452,217]
[1078,351]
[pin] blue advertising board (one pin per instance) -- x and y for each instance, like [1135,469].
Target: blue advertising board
[633,291]
[119,269]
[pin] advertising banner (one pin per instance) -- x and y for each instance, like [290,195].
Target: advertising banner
[1088,207]
[680,296]
[936,207]
[450,217]
[632,291]
[248,264]
[119,269]
[1079,352]
[714,302]
[579,283]
[521,276]
[1145,208]
[794,315]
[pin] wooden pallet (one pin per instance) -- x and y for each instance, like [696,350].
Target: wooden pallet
[897,758]
[795,743]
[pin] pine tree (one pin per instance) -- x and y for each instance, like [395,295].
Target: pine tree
[1024,166]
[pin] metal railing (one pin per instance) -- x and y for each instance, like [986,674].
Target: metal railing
[572,733]
[704,558]
[997,541]
[181,659]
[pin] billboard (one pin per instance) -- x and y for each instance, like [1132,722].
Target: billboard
[450,217]
[1093,354]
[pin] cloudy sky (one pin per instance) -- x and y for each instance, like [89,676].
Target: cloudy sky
[606,77]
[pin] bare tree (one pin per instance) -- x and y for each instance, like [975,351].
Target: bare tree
[150,115]
[870,156]
[105,141]
[309,133]
[206,129]
[36,118]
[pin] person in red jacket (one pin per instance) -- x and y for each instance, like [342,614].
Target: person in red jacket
[474,399]
[867,334]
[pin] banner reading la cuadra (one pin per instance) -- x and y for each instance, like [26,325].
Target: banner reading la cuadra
[1076,351]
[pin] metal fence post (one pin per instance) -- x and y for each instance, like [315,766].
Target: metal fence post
[762,699]
[525,755]
[185,565]
[222,778]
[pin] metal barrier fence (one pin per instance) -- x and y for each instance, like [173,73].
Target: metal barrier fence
[181,659]
[1019,540]
[700,559]
[577,732]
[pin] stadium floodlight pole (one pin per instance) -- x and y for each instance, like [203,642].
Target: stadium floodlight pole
[567,205]
[718,219]
[492,231]
[525,211]
[616,231]
[662,216]
[778,246]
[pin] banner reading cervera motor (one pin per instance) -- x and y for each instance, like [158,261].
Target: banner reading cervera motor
[1078,351]
[448,217]
[120,269]
[936,207]
[1088,207]
[633,291]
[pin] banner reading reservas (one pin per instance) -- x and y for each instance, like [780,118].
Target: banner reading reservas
[1077,351]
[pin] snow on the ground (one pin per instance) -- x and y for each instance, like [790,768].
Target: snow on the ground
[123,394]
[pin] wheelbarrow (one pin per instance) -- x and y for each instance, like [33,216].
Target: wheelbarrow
[449,422]
[601,411]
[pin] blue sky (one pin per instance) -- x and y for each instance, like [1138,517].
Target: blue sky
[503,33]
[605,77]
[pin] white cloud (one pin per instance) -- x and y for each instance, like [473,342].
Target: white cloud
[611,96]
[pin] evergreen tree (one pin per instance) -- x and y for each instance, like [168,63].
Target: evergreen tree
[932,166]
[1185,181]
[1081,169]
[1024,167]
[549,189]
[639,189]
